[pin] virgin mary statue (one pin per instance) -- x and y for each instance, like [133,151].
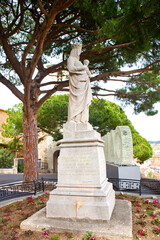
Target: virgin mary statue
[80,94]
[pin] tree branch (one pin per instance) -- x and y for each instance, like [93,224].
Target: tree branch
[13,89]
[158,61]
[106,49]
[51,69]
[42,8]
[122,73]
[145,83]
[96,42]
[10,54]
[27,49]
[80,29]
[57,6]
[18,44]
[40,65]
[58,87]
[48,83]
[20,22]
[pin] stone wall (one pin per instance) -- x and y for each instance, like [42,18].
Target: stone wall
[47,152]
[52,154]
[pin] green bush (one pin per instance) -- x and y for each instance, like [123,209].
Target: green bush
[20,167]
[6,158]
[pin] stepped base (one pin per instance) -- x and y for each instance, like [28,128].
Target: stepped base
[82,203]
[118,228]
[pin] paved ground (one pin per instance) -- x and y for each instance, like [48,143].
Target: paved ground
[10,178]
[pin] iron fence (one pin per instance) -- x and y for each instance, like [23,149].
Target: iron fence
[20,189]
[143,186]
[9,191]
[49,183]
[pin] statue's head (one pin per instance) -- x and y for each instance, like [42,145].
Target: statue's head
[86,62]
[76,49]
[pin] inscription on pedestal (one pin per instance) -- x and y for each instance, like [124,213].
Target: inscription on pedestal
[79,165]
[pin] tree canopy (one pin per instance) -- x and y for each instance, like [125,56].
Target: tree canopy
[104,116]
[114,33]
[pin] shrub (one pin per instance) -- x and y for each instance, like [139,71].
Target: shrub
[20,167]
[6,158]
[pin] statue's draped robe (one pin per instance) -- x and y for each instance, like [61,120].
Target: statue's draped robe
[80,94]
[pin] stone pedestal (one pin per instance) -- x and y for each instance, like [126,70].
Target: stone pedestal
[124,177]
[84,200]
[130,172]
[83,191]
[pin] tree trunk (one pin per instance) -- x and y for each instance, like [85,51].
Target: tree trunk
[30,146]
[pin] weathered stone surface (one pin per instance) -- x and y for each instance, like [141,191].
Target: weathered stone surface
[82,188]
[117,228]
[80,94]
[123,172]
[118,146]
[82,203]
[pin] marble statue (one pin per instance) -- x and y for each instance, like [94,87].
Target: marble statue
[80,94]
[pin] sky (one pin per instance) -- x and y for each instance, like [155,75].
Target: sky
[147,126]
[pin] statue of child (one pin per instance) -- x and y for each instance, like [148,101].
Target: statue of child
[86,63]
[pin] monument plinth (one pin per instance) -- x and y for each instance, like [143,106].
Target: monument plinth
[118,151]
[83,191]
[83,200]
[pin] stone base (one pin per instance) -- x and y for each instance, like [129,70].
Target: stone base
[82,191]
[95,203]
[123,172]
[119,227]
[128,176]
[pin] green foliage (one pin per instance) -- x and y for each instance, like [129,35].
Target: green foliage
[151,175]
[13,126]
[142,148]
[55,238]
[104,116]
[105,27]
[88,236]
[69,235]
[143,92]
[6,158]
[20,167]
[52,114]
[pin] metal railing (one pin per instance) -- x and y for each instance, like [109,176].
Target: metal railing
[143,186]
[21,189]
[49,183]
[9,191]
